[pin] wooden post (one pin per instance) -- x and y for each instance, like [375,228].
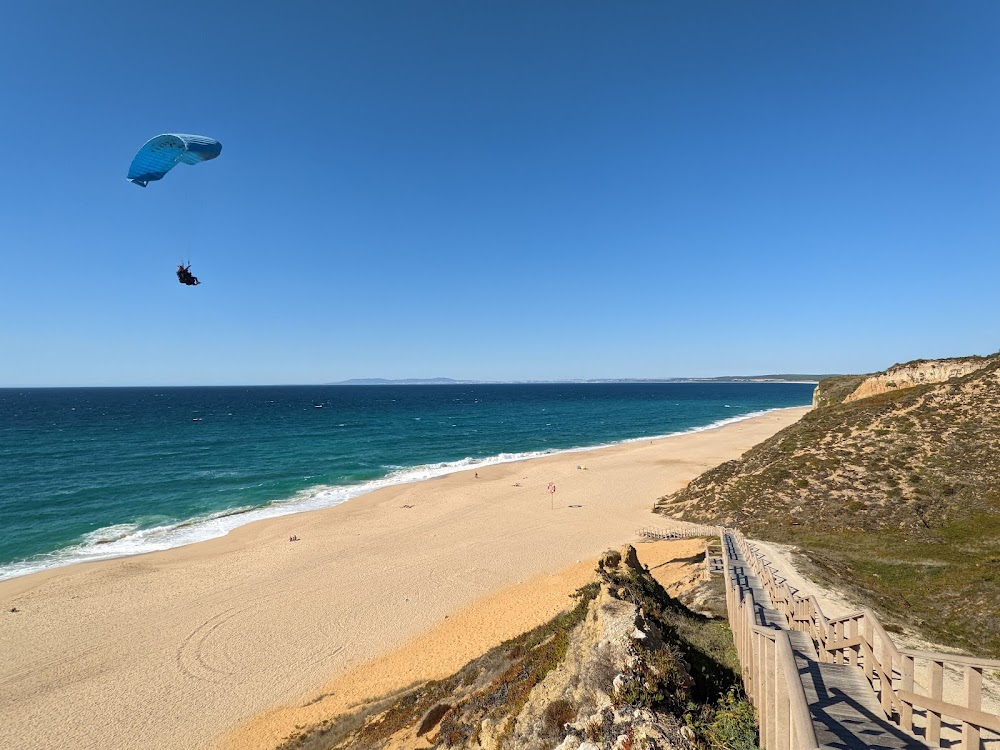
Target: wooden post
[769,735]
[824,631]
[936,669]
[868,648]
[885,682]
[747,625]
[742,647]
[906,708]
[974,700]
[783,725]
[760,661]
[816,631]
[852,633]
[838,636]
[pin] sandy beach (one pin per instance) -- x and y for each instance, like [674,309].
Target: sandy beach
[184,647]
[485,623]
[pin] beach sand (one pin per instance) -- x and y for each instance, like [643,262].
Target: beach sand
[472,631]
[180,648]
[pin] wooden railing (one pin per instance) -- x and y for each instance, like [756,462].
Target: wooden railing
[859,639]
[680,532]
[770,676]
[685,532]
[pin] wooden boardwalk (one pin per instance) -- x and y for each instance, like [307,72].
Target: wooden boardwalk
[845,713]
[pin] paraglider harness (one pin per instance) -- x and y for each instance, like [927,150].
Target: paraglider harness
[185,276]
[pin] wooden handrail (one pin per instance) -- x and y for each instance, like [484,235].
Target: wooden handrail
[770,675]
[971,661]
[859,639]
[962,713]
[798,714]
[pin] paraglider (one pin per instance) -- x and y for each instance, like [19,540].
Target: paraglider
[161,154]
[164,152]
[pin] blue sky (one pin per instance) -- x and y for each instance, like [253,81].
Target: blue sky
[498,190]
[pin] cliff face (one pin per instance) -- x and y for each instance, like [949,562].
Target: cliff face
[612,660]
[832,391]
[921,372]
[614,673]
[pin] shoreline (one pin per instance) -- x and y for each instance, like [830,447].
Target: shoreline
[178,648]
[199,529]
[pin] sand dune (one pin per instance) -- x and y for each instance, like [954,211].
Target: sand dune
[179,648]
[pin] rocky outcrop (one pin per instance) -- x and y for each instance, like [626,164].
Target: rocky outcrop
[613,673]
[920,372]
[608,663]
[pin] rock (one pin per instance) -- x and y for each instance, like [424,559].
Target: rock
[570,743]
[486,738]
[618,684]
[431,719]
[631,558]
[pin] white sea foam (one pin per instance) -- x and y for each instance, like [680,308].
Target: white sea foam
[126,539]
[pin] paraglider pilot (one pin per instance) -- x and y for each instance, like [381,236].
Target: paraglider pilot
[162,153]
[185,276]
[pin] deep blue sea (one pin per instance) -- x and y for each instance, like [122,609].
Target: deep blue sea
[92,473]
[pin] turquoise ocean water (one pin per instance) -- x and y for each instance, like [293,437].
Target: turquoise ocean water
[93,473]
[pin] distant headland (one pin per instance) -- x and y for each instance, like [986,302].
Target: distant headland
[784,378]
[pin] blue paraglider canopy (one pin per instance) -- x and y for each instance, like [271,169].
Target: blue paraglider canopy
[161,154]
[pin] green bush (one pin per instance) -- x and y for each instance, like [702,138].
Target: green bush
[731,724]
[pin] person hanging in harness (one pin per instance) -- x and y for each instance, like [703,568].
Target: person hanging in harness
[185,276]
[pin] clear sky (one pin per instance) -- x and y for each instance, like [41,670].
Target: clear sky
[498,190]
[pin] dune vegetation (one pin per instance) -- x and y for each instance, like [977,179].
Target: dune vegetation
[894,497]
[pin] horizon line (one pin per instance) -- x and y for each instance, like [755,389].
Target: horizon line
[751,379]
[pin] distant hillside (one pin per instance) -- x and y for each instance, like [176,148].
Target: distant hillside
[721,379]
[404,381]
[785,378]
[898,491]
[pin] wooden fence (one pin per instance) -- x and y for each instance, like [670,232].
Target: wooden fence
[685,532]
[770,676]
[652,532]
[859,639]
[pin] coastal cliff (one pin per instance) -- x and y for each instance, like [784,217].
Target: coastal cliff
[627,668]
[891,488]
[911,374]
[841,389]
[834,390]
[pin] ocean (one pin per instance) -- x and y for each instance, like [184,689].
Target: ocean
[94,473]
